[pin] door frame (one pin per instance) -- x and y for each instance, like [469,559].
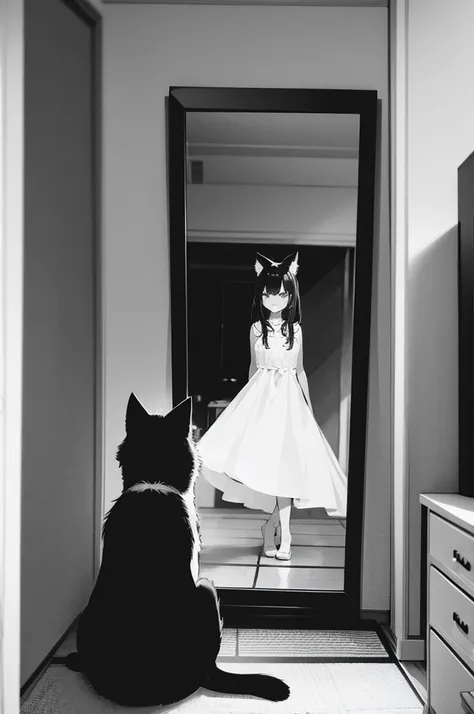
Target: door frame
[11,345]
[87,11]
[399,515]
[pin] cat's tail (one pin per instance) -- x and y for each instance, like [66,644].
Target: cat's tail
[258,685]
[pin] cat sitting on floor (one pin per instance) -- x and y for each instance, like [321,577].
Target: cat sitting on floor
[152,629]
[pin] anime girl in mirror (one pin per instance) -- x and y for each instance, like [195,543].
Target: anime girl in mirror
[266,450]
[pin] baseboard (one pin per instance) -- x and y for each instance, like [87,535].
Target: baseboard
[408,650]
[382,617]
[412,650]
[43,666]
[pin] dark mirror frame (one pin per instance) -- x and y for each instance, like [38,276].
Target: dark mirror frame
[278,608]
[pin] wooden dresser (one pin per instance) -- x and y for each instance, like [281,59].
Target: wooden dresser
[449,600]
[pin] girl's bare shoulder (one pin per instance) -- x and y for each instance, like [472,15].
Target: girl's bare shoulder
[256,329]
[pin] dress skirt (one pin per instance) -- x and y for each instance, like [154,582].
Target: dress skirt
[267,443]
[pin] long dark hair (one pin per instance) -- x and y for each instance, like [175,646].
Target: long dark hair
[271,275]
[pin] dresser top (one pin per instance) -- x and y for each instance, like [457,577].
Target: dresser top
[456,508]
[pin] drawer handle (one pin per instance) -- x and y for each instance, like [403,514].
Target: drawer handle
[464,627]
[462,561]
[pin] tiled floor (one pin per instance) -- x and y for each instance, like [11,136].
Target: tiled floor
[231,555]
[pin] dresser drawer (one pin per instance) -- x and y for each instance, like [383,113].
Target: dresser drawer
[452,613]
[453,548]
[448,678]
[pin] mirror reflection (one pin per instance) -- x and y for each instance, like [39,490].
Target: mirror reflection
[271,241]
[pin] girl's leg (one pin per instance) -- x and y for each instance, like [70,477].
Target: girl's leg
[284,507]
[274,517]
[268,531]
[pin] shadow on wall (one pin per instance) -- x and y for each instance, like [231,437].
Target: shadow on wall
[432,366]
[322,330]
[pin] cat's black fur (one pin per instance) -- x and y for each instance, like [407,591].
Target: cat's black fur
[151,633]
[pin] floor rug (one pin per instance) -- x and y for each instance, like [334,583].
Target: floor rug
[316,688]
[303,645]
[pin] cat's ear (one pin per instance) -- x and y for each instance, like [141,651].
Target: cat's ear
[262,263]
[290,263]
[179,418]
[135,415]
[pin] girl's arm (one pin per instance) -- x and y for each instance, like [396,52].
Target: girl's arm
[253,364]
[301,374]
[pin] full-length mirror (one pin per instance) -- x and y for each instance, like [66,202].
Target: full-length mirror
[276,343]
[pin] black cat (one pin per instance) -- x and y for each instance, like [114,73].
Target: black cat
[152,630]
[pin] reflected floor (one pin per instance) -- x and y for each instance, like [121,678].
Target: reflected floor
[231,554]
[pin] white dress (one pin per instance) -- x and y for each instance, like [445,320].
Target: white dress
[267,443]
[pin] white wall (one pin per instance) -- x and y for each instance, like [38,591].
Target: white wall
[326,215]
[226,168]
[147,48]
[440,135]
[274,198]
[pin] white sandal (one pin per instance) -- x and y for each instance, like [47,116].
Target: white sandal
[283,554]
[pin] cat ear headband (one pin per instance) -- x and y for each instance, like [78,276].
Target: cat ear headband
[289,264]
